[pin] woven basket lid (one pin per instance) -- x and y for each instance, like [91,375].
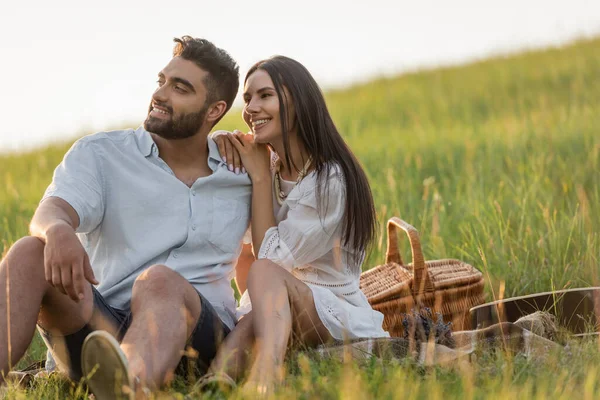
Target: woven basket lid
[386,281]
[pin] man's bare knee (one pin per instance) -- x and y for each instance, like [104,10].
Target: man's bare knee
[28,245]
[159,280]
[161,284]
[26,251]
[24,263]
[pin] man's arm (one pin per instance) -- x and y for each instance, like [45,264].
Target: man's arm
[242,268]
[51,212]
[66,263]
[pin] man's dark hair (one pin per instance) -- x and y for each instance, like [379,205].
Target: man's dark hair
[223,79]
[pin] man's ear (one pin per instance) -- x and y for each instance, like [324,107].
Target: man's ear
[216,111]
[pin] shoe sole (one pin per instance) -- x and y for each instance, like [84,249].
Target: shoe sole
[215,380]
[105,367]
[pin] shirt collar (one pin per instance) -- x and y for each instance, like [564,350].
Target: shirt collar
[214,157]
[145,142]
[146,145]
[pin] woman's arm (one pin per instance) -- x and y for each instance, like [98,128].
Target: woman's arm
[263,216]
[256,158]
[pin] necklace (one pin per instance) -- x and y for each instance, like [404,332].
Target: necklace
[279,193]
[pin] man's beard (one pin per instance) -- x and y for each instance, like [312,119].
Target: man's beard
[180,127]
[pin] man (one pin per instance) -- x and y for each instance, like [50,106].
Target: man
[154,219]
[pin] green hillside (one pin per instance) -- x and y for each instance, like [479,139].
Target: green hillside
[496,163]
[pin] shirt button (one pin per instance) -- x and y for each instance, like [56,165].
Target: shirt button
[193,227]
[175,254]
[193,192]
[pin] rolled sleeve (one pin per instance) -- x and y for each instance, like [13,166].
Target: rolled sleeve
[305,236]
[274,249]
[78,181]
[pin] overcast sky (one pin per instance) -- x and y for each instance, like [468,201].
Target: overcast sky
[68,66]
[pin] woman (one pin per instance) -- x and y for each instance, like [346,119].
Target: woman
[312,221]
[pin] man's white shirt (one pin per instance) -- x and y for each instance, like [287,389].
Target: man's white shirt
[134,212]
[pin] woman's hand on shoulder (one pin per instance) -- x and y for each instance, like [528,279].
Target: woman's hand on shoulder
[228,152]
[255,156]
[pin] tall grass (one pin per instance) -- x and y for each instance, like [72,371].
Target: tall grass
[496,163]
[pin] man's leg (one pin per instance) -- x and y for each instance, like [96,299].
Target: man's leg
[165,309]
[234,354]
[23,290]
[67,348]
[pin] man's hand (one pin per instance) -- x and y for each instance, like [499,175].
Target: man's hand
[228,152]
[66,263]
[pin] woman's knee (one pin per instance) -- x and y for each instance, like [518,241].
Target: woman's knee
[264,269]
[265,274]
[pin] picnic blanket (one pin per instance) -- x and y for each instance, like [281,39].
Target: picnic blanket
[533,335]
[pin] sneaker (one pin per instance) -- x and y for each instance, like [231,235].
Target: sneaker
[213,382]
[105,367]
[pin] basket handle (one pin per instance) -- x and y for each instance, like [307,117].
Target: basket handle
[422,281]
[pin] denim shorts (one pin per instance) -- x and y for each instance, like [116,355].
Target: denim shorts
[204,340]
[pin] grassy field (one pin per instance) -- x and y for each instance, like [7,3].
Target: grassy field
[496,163]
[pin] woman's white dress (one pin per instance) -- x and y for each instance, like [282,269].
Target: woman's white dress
[309,246]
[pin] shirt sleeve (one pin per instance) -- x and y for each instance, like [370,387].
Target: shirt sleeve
[78,181]
[214,134]
[305,235]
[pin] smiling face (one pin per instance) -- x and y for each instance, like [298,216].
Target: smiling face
[261,108]
[178,107]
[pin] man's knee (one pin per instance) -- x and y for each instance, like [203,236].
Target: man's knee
[159,280]
[27,256]
[161,284]
[27,247]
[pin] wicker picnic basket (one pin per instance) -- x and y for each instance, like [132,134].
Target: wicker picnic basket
[449,287]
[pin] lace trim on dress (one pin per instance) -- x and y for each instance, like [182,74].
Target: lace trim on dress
[265,249]
[275,249]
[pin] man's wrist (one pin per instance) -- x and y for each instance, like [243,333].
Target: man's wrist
[57,228]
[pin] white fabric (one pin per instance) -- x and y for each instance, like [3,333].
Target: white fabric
[309,246]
